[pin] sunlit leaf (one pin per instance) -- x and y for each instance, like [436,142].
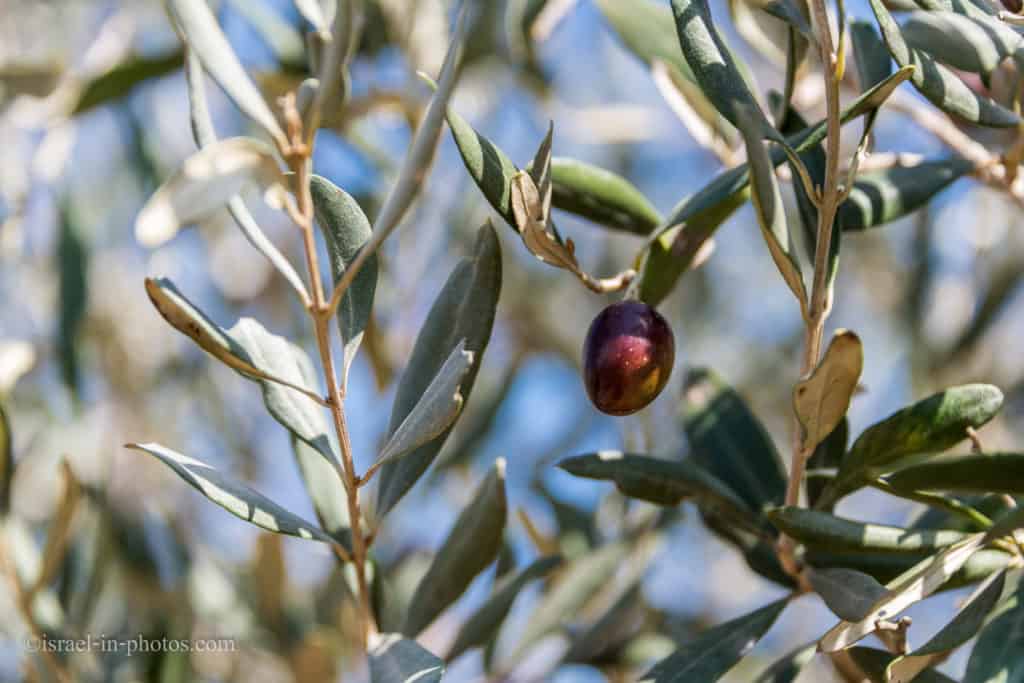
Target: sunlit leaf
[962,42]
[911,587]
[826,531]
[120,80]
[711,654]
[874,663]
[346,230]
[847,592]
[487,164]
[822,399]
[464,310]
[472,545]
[394,659]
[200,31]
[484,623]
[235,497]
[964,473]
[205,183]
[936,82]
[601,196]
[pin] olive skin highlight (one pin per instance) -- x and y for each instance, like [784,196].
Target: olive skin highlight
[627,357]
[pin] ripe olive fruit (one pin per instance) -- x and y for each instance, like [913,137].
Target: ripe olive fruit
[627,357]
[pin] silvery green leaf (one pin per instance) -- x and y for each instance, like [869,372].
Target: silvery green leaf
[601,196]
[712,653]
[874,63]
[913,586]
[847,592]
[256,354]
[205,183]
[394,659]
[963,473]
[463,310]
[205,135]
[787,669]
[346,231]
[976,45]
[200,31]
[435,411]
[996,655]
[236,498]
[936,82]
[472,545]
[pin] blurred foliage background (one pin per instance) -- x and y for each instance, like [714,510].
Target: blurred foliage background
[93,115]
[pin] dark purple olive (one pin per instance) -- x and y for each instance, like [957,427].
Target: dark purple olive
[1014,6]
[627,357]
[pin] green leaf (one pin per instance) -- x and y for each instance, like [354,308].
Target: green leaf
[828,455]
[821,400]
[966,473]
[256,354]
[485,622]
[394,659]
[788,668]
[713,65]
[964,626]
[6,462]
[730,442]
[912,586]
[767,198]
[648,31]
[874,663]
[601,196]
[435,411]
[464,310]
[489,167]
[937,83]
[72,266]
[874,63]
[662,482]
[757,547]
[996,656]
[694,220]
[473,543]
[346,230]
[825,531]
[577,583]
[714,652]
[964,43]
[882,196]
[206,181]
[931,425]
[236,498]
[120,80]
[847,592]
[888,566]
[205,135]
[201,33]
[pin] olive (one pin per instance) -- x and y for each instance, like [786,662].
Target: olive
[627,357]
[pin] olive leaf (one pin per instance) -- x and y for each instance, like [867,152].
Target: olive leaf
[663,482]
[874,663]
[484,623]
[787,669]
[996,654]
[963,473]
[205,183]
[882,196]
[205,135]
[473,543]
[964,626]
[931,425]
[872,58]
[714,652]
[824,531]
[886,567]
[827,456]
[6,462]
[601,196]
[822,399]
[963,42]
[256,354]
[488,166]
[913,586]
[436,409]
[714,67]
[771,215]
[464,310]
[395,659]
[236,498]
[199,30]
[346,230]
[119,81]
[847,592]
[73,255]
[936,82]
[730,442]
